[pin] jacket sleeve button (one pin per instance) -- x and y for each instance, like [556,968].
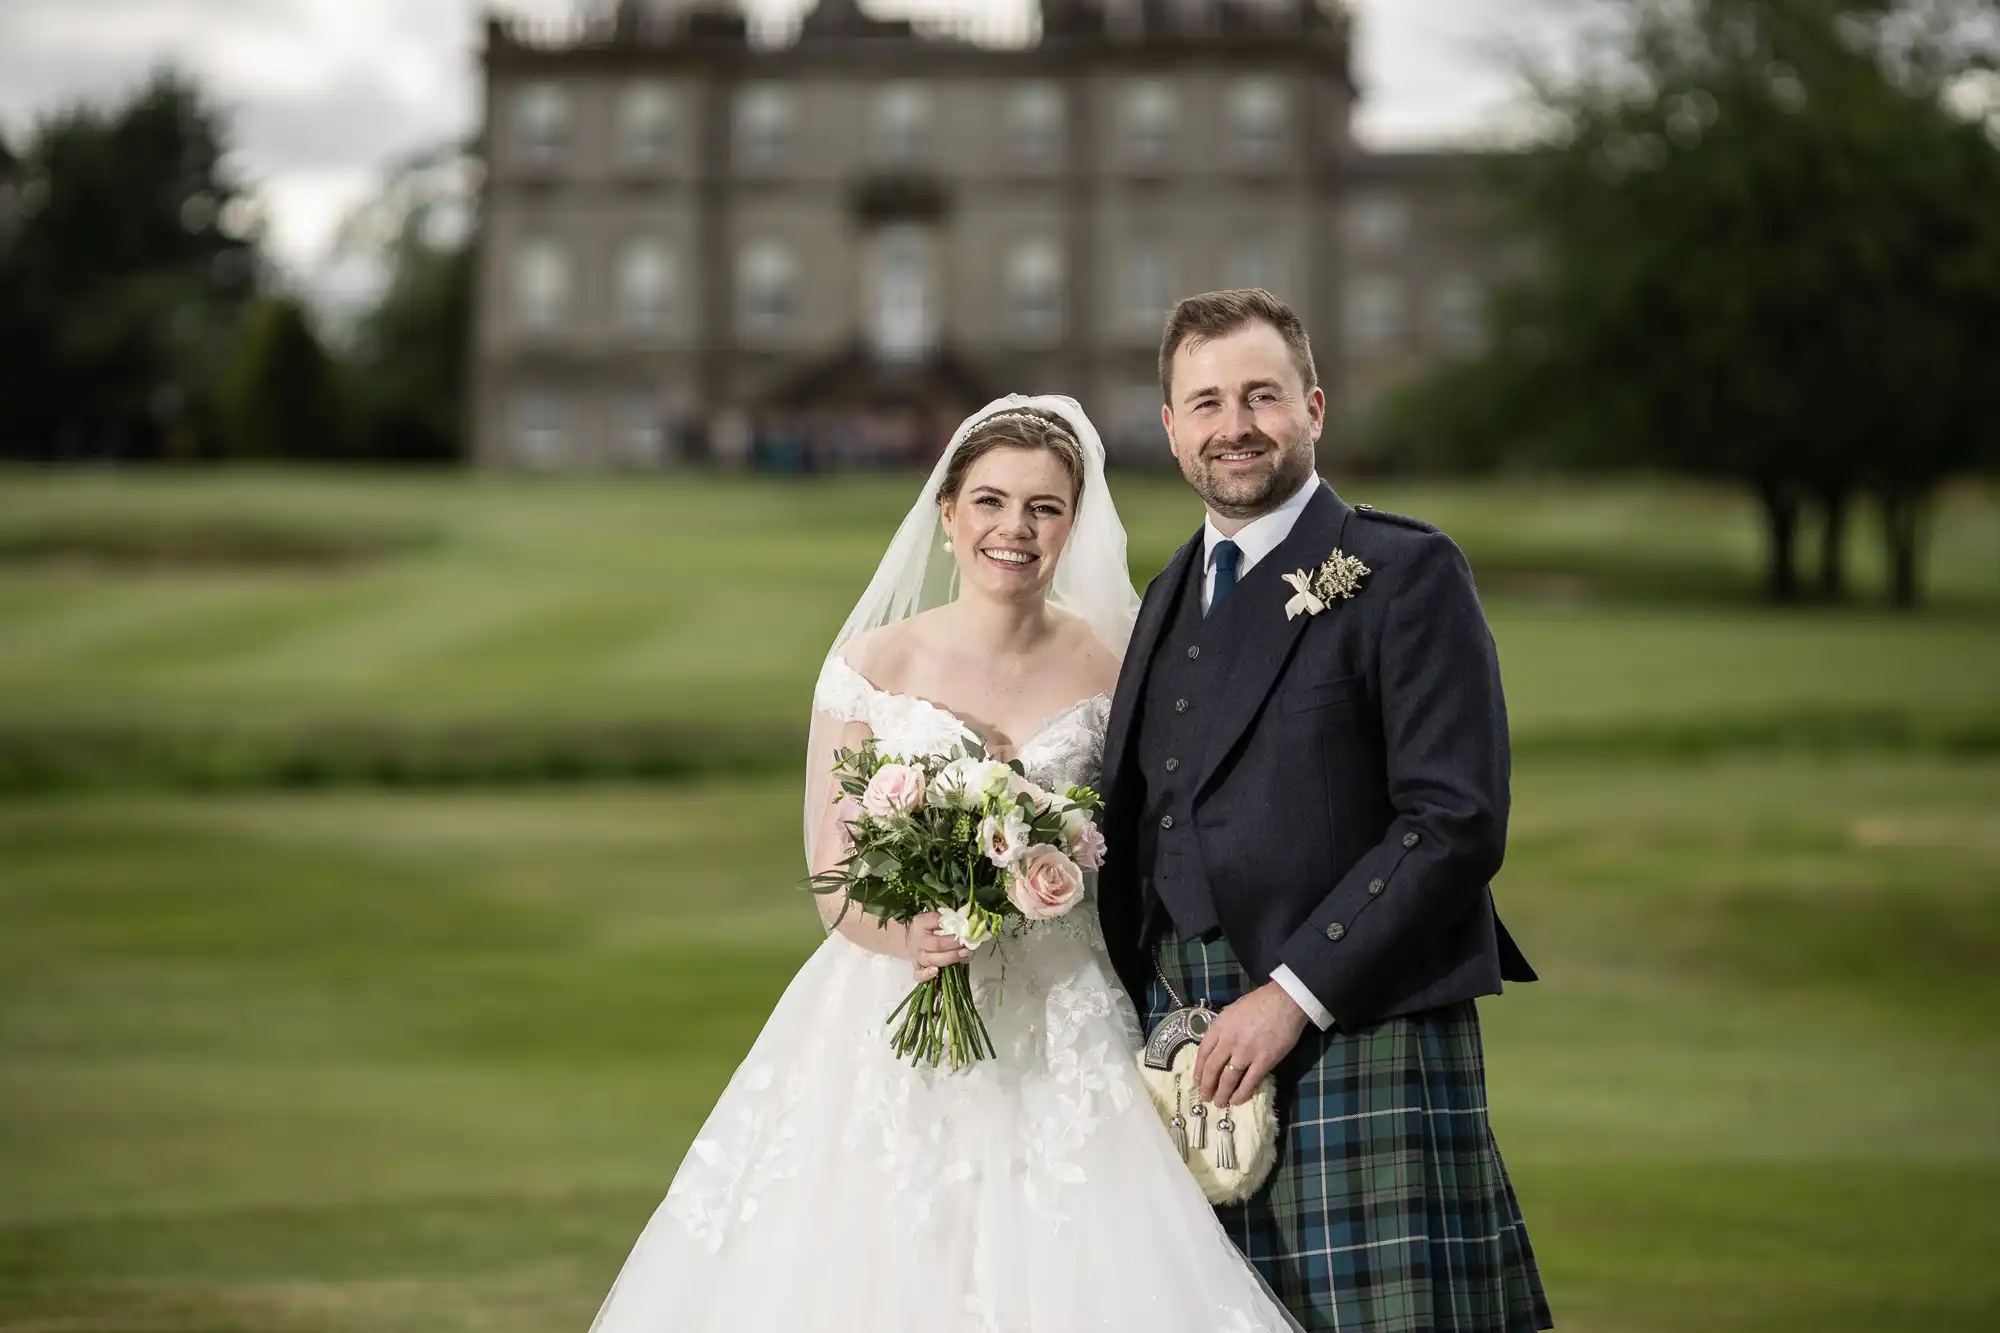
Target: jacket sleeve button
[1411,840]
[1335,931]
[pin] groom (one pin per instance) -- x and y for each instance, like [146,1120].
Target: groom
[1306,781]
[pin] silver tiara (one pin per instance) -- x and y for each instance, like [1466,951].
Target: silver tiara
[1035,417]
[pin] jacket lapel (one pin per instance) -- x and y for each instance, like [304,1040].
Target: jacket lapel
[1267,638]
[1146,631]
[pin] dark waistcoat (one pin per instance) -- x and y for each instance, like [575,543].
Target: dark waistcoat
[1188,674]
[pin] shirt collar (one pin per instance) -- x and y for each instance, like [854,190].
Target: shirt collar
[1263,534]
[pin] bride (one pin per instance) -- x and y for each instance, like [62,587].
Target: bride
[836,1187]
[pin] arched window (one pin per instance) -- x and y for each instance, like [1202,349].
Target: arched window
[542,283]
[541,122]
[1035,125]
[762,127]
[648,124]
[645,279]
[1151,123]
[766,289]
[1257,123]
[902,117]
[1036,288]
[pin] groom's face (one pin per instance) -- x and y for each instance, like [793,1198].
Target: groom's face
[1241,420]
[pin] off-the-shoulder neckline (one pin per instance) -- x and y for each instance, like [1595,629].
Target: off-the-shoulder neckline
[838,661]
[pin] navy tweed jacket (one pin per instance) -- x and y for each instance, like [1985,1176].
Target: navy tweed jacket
[1351,810]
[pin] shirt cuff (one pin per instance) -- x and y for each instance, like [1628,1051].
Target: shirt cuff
[1302,997]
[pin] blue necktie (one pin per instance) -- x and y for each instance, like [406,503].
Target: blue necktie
[1228,555]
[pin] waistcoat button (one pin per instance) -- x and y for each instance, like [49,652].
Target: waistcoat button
[1166,821]
[1376,886]
[1411,840]
[1180,705]
[1194,652]
[1335,931]
[1173,764]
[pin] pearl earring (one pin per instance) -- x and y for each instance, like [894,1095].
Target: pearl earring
[947,543]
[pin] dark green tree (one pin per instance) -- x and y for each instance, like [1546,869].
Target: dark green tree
[411,348]
[1772,256]
[279,396]
[126,262]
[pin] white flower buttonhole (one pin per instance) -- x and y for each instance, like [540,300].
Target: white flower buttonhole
[1334,581]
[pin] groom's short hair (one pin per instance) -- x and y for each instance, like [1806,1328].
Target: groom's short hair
[1218,314]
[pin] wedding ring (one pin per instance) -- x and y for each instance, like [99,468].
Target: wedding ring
[1234,1069]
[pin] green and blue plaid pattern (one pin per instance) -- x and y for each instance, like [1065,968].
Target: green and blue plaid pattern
[1389,1210]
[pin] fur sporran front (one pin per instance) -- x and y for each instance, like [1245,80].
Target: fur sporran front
[1230,1149]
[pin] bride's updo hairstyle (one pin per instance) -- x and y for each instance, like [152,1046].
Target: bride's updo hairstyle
[1021,428]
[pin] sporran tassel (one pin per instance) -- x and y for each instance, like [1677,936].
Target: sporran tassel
[1177,1127]
[1225,1143]
[1198,1132]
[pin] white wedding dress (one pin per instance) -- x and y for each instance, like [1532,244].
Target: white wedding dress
[837,1189]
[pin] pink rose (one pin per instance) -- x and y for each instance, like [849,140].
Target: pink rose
[896,789]
[1086,842]
[1044,883]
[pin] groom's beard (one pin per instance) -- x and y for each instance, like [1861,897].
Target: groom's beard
[1249,492]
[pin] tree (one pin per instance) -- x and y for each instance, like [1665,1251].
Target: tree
[1772,256]
[411,348]
[278,398]
[130,255]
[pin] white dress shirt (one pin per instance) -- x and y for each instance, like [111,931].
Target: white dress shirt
[1257,539]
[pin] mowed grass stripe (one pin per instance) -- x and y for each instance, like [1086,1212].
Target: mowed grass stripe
[396,1050]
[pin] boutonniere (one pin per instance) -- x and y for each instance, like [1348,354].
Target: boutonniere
[1335,581]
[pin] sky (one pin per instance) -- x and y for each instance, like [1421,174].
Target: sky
[326,93]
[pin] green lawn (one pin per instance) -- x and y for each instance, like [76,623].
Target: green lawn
[308,1062]
[379,1062]
[686,599]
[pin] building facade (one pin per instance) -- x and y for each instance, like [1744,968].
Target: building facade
[822,251]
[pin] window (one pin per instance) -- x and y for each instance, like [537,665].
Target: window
[541,122]
[766,296]
[901,327]
[1136,432]
[1147,288]
[540,428]
[1375,220]
[541,284]
[1035,289]
[648,124]
[902,113]
[1257,121]
[1458,313]
[1373,316]
[1151,118]
[641,437]
[1253,261]
[644,280]
[1035,125]
[763,127]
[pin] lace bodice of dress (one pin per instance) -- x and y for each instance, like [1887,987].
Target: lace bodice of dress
[1068,748]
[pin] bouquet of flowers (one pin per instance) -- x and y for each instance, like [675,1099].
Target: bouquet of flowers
[973,840]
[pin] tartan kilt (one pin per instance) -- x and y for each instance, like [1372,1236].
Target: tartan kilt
[1389,1210]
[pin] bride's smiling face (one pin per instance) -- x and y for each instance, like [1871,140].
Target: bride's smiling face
[1009,521]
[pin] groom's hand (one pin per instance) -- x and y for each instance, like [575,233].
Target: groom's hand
[1246,1042]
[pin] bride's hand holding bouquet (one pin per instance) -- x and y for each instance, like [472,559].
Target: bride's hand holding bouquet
[954,847]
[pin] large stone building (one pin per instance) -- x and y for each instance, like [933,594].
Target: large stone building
[822,250]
